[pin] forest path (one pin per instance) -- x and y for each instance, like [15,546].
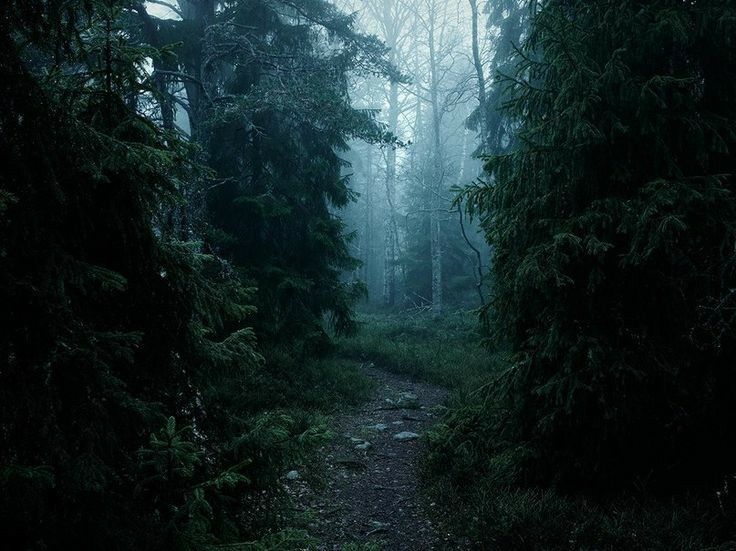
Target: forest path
[371,493]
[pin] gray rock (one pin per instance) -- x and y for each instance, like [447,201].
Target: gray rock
[365,446]
[293,475]
[378,527]
[406,435]
[408,400]
[378,426]
[397,423]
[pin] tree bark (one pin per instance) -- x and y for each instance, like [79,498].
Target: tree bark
[390,252]
[437,176]
[392,29]
[368,223]
[480,74]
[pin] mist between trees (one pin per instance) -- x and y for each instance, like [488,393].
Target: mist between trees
[214,215]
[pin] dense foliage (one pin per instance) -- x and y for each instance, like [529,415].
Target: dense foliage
[612,222]
[274,213]
[508,24]
[267,101]
[135,412]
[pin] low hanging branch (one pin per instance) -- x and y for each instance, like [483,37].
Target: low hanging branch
[479,285]
[480,278]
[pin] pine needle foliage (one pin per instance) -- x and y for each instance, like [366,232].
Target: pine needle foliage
[136,409]
[275,137]
[507,26]
[613,223]
[125,353]
[268,106]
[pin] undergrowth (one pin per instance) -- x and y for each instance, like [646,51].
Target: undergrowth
[473,473]
[503,517]
[291,397]
[322,384]
[480,499]
[445,352]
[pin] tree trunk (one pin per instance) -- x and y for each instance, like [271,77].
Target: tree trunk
[436,178]
[367,253]
[478,63]
[391,237]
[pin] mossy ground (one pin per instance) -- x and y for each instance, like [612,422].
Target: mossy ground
[444,351]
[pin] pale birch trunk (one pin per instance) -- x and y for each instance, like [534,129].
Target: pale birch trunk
[368,256]
[436,177]
[480,75]
[391,237]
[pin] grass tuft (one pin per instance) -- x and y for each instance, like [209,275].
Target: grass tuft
[444,352]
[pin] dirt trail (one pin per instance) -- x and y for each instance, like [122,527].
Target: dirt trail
[372,492]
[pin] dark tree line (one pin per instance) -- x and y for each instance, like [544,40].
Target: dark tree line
[133,255]
[608,201]
[612,217]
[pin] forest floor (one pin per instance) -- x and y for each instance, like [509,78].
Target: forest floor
[370,496]
[365,490]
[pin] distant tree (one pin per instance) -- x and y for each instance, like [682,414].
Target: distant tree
[507,24]
[442,86]
[393,22]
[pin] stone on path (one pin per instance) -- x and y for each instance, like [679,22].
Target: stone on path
[365,446]
[293,475]
[378,527]
[406,400]
[378,426]
[406,435]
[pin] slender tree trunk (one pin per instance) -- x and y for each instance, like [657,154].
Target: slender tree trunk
[390,248]
[436,178]
[478,258]
[368,224]
[418,113]
[391,234]
[436,251]
[480,74]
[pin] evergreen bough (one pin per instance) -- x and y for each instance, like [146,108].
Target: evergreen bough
[613,223]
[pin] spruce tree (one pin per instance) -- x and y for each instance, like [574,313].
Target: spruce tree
[267,101]
[612,221]
[133,408]
[112,329]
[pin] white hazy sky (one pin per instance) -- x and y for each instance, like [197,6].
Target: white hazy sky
[162,12]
